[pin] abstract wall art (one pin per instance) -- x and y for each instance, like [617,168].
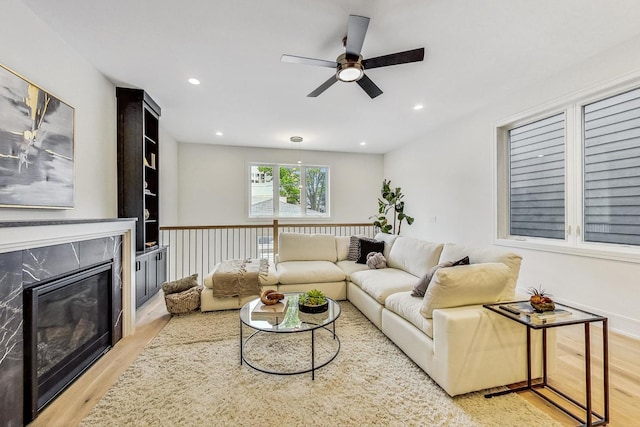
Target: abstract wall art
[36,146]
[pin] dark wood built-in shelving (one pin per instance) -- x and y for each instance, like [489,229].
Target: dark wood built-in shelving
[139,183]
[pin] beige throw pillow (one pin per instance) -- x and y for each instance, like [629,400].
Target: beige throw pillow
[465,285]
[180,284]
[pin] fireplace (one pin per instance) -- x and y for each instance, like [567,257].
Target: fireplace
[37,254]
[68,326]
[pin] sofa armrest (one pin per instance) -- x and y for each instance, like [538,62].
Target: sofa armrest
[458,328]
[476,348]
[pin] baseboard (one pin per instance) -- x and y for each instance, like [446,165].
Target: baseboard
[621,325]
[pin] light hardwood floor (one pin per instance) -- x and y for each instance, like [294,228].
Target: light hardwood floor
[624,373]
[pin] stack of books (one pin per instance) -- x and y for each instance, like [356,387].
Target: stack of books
[268,312]
[547,316]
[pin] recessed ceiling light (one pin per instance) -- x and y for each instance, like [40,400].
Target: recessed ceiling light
[363,143]
[194,81]
[295,139]
[219,133]
[418,107]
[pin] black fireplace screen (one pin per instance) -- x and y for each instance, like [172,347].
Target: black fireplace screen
[68,326]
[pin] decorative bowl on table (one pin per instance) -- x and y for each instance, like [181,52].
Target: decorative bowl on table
[540,300]
[312,302]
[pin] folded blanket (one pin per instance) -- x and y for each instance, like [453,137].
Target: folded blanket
[239,277]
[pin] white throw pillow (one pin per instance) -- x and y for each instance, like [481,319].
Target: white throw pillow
[465,285]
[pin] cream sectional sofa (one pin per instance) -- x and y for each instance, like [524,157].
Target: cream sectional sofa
[459,344]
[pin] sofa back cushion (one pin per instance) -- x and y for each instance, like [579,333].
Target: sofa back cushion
[388,240]
[413,256]
[452,251]
[342,247]
[465,285]
[306,247]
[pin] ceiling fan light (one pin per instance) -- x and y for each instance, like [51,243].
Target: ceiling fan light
[350,73]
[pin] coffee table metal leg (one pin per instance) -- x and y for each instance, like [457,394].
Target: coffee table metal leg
[313,354]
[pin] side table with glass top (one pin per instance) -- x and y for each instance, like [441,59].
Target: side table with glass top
[518,312]
[291,322]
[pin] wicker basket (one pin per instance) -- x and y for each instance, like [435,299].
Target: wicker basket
[183,302]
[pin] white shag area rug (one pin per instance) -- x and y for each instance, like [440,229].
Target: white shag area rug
[190,375]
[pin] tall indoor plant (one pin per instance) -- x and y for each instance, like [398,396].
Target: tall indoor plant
[391,201]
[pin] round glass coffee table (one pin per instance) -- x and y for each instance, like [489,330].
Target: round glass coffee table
[291,322]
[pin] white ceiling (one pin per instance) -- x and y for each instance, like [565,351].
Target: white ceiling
[475,51]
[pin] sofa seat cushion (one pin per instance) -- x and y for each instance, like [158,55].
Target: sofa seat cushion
[408,307]
[291,272]
[379,284]
[271,279]
[465,285]
[350,267]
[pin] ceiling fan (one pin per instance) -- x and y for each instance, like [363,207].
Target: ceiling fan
[350,66]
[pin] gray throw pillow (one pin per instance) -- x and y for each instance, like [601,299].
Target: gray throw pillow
[180,284]
[420,288]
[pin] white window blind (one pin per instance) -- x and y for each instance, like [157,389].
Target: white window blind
[537,178]
[612,169]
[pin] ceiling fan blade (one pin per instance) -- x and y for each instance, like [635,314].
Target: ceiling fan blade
[414,55]
[324,86]
[355,34]
[308,61]
[369,87]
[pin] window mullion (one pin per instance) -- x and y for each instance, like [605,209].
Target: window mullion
[578,177]
[276,191]
[573,186]
[303,191]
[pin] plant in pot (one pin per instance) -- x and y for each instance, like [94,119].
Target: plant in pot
[391,201]
[313,301]
[540,300]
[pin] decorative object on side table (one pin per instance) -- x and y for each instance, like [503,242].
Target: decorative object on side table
[313,301]
[540,300]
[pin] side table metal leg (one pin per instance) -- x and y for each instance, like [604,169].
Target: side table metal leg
[528,357]
[241,343]
[544,356]
[605,367]
[587,373]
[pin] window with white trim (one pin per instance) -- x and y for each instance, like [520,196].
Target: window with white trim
[536,178]
[571,177]
[300,191]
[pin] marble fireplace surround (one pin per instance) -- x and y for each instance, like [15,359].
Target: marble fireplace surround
[20,235]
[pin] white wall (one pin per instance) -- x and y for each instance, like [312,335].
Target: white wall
[213,182]
[34,51]
[168,178]
[31,49]
[447,177]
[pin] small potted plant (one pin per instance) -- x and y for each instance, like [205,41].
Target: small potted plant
[540,300]
[313,301]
